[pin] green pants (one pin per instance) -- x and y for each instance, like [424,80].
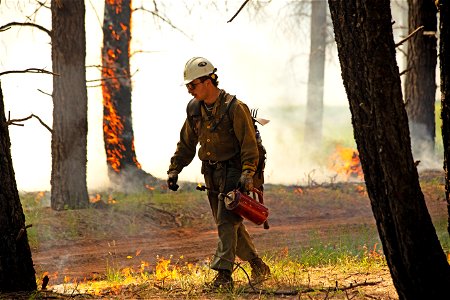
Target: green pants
[234,240]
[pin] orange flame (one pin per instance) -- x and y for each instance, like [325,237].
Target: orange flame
[164,270]
[39,197]
[150,188]
[95,199]
[298,190]
[345,161]
[111,200]
[112,123]
[116,79]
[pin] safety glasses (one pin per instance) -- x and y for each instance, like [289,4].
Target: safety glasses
[192,85]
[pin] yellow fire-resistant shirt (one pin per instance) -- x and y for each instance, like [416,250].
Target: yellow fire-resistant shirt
[220,137]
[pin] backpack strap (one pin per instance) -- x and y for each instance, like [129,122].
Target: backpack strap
[227,110]
[193,111]
[194,114]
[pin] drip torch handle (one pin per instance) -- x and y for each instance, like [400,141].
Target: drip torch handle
[260,195]
[261,200]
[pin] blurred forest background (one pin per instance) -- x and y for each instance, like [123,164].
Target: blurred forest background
[262,56]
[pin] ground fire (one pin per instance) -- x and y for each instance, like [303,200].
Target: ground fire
[345,161]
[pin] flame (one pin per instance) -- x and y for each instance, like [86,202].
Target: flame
[95,199]
[345,161]
[373,253]
[111,200]
[39,197]
[361,189]
[284,252]
[164,270]
[298,190]
[150,188]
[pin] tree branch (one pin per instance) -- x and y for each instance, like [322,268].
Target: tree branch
[14,121]
[8,26]
[45,93]
[163,19]
[409,36]
[404,71]
[308,290]
[239,10]
[29,70]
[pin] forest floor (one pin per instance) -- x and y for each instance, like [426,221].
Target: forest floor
[81,245]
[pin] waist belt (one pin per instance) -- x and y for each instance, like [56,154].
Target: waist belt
[214,164]
[232,162]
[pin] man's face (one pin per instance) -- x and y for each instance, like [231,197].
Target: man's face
[197,88]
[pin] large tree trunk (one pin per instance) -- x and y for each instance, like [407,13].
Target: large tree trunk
[365,43]
[314,108]
[444,57]
[420,81]
[69,138]
[16,266]
[123,167]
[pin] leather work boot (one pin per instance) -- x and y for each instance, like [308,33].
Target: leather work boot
[260,271]
[223,280]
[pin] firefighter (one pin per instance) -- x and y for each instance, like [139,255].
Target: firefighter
[229,154]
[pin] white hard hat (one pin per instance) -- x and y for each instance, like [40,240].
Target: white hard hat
[197,67]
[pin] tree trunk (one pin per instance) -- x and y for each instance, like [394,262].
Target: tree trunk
[69,138]
[123,167]
[16,266]
[314,108]
[366,49]
[420,82]
[444,57]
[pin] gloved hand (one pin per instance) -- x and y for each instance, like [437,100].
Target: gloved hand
[246,180]
[172,180]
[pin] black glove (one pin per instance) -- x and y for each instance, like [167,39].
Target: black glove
[246,180]
[172,180]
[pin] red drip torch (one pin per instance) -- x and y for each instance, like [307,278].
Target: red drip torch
[247,207]
[244,205]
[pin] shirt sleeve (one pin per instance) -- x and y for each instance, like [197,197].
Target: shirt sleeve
[186,148]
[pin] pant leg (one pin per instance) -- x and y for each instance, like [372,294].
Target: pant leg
[245,249]
[233,237]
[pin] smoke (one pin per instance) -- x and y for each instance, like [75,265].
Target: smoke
[424,149]
[256,61]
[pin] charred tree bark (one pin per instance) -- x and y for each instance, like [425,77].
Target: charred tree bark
[420,82]
[16,266]
[314,107]
[69,138]
[444,58]
[366,49]
[123,166]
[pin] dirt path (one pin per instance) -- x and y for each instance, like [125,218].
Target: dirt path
[89,258]
[295,221]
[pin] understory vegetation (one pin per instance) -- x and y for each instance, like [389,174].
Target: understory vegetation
[322,244]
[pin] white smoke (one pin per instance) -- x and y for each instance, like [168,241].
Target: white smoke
[255,60]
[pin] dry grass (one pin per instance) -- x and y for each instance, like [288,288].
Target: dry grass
[334,253]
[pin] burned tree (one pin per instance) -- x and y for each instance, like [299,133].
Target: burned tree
[364,38]
[69,138]
[420,82]
[123,166]
[16,266]
[444,55]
